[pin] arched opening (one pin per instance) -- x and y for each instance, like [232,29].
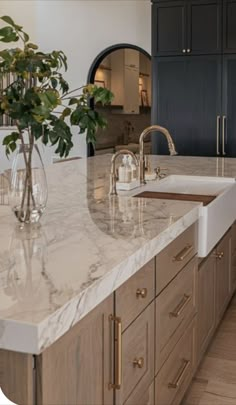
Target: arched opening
[126,70]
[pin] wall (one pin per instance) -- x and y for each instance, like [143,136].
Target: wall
[82,29]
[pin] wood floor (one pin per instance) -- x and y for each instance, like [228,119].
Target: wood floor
[215,381]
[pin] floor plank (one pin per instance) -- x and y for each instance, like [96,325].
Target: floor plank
[215,380]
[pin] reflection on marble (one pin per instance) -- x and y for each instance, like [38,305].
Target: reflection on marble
[89,245]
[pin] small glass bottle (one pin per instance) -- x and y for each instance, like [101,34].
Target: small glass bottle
[121,172]
[128,170]
[133,169]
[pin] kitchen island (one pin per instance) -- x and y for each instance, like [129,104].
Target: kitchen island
[75,266]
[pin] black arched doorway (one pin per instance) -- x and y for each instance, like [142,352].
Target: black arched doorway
[121,114]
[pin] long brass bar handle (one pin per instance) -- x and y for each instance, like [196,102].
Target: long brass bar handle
[218,134]
[118,352]
[176,383]
[223,135]
[180,307]
[183,254]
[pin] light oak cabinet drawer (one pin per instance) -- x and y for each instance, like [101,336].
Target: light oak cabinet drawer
[135,295]
[139,397]
[175,256]
[175,375]
[137,355]
[175,306]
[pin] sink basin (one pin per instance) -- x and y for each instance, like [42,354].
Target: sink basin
[215,217]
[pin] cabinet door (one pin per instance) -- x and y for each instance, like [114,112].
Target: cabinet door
[233,258]
[187,101]
[206,304]
[223,274]
[76,368]
[142,398]
[169,28]
[137,356]
[229,26]
[204,27]
[229,102]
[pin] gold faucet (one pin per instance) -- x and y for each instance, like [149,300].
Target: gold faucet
[145,132]
[113,175]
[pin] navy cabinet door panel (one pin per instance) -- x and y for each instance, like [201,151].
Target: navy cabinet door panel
[204,27]
[229,104]
[229,26]
[187,102]
[169,28]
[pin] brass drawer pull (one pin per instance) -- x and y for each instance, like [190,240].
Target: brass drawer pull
[183,254]
[180,307]
[138,362]
[141,293]
[176,383]
[118,352]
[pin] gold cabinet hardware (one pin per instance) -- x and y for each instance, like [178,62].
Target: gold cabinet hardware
[118,352]
[138,362]
[183,254]
[141,293]
[180,307]
[223,135]
[217,134]
[218,255]
[176,383]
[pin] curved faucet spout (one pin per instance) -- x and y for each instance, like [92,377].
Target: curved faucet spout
[113,176]
[147,131]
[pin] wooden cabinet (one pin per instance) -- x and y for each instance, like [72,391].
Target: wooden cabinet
[187,27]
[223,274]
[206,303]
[175,306]
[233,258]
[137,356]
[229,26]
[175,256]
[214,291]
[76,368]
[142,344]
[187,101]
[134,295]
[142,398]
[174,377]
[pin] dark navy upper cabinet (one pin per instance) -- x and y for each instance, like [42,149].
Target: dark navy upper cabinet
[229,26]
[187,101]
[169,28]
[204,27]
[228,123]
[187,27]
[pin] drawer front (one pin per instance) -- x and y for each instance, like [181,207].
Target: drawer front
[174,377]
[175,306]
[175,256]
[135,295]
[137,355]
[139,397]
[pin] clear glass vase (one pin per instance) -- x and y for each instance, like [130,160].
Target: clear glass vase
[28,190]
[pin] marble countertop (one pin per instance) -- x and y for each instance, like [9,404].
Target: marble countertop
[88,245]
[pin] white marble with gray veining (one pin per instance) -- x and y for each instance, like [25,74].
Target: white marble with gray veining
[87,246]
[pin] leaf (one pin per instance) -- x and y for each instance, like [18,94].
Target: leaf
[7,34]
[73,100]
[65,113]
[8,20]
[32,46]
[10,142]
